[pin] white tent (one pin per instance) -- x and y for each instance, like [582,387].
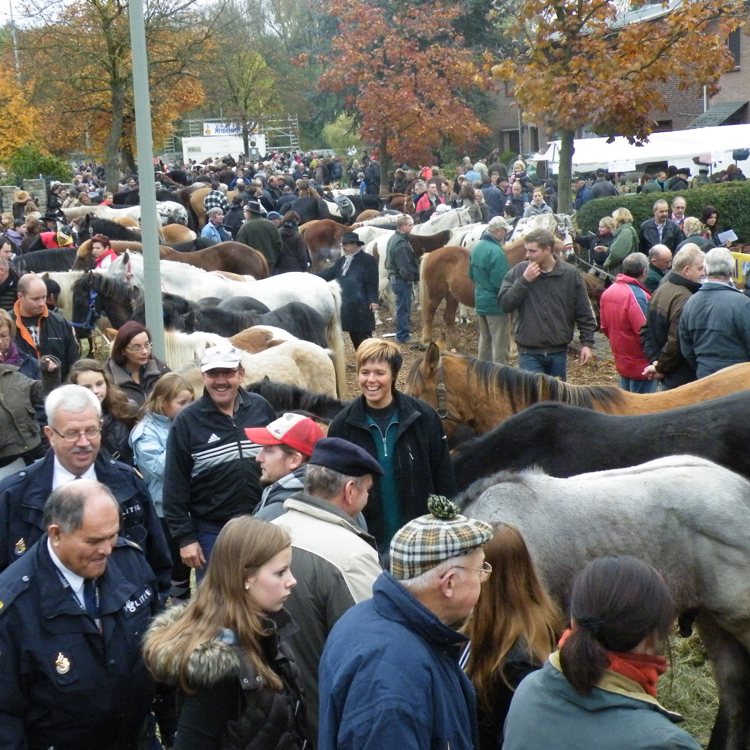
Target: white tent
[677,147]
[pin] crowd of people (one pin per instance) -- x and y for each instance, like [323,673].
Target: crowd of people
[197,568]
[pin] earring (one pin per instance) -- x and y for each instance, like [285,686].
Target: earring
[247,587]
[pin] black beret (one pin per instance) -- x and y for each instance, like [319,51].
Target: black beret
[344,457]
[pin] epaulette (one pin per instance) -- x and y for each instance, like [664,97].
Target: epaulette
[10,590]
[123,542]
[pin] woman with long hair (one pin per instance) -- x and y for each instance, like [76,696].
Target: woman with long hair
[599,689]
[118,411]
[148,441]
[131,363]
[513,629]
[294,255]
[468,199]
[225,648]
[710,220]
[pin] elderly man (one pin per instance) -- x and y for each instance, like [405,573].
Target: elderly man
[660,335]
[487,269]
[403,271]
[210,474]
[75,435]
[623,309]
[549,298]
[659,263]
[40,331]
[286,446]
[74,609]
[335,560]
[260,233]
[389,674]
[214,229]
[715,322]
[660,230]
[679,206]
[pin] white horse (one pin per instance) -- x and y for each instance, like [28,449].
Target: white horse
[294,362]
[165,211]
[194,283]
[687,516]
[455,217]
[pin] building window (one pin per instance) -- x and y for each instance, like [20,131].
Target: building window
[733,42]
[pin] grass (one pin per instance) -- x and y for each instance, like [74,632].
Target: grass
[688,687]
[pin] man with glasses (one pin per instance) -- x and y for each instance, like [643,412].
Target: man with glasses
[40,331]
[389,674]
[74,433]
[211,474]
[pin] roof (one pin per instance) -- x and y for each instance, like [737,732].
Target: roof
[716,115]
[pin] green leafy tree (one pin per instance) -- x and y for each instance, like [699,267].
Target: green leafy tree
[29,162]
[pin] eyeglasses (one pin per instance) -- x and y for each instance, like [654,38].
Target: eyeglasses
[484,571]
[73,436]
[136,348]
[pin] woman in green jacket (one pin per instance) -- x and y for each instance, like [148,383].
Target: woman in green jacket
[624,243]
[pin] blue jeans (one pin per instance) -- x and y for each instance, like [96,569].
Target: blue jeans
[548,363]
[205,534]
[403,292]
[638,386]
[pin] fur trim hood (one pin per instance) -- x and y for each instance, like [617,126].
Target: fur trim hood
[211,662]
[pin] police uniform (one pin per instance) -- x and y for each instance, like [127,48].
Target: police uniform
[67,683]
[22,499]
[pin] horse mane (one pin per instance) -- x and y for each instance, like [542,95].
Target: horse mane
[182,349]
[109,286]
[292,398]
[58,259]
[524,388]
[521,478]
[113,230]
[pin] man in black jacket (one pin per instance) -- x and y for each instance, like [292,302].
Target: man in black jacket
[403,271]
[211,474]
[660,230]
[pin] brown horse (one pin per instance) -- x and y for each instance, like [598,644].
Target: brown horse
[172,234]
[232,257]
[468,391]
[323,240]
[444,275]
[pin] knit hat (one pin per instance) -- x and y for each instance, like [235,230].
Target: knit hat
[273,215]
[294,430]
[429,540]
[344,457]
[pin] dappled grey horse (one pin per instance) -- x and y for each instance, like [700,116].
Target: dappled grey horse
[688,517]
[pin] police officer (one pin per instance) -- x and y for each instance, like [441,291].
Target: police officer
[74,433]
[73,610]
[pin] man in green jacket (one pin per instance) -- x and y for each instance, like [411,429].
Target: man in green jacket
[487,269]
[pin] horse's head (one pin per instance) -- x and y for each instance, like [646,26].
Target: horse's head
[86,311]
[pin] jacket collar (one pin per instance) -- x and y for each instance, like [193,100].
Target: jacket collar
[676,278]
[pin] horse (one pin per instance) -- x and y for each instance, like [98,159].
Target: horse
[688,517]
[468,391]
[95,295]
[259,338]
[232,257]
[284,398]
[170,234]
[323,240]
[54,259]
[193,283]
[297,363]
[297,318]
[166,211]
[456,217]
[444,275]
[564,440]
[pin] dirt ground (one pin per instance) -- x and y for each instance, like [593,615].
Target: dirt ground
[599,372]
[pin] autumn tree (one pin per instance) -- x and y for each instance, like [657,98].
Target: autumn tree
[19,121]
[578,63]
[76,59]
[405,75]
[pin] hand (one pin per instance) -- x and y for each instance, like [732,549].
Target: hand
[192,555]
[586,355]
[651,373]
[532,272]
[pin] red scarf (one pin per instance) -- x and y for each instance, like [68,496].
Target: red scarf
[644,669]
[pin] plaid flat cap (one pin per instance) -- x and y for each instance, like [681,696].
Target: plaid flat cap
[425,542]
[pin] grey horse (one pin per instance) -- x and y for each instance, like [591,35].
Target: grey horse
[687,516]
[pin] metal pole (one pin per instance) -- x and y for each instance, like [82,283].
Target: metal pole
[146,181]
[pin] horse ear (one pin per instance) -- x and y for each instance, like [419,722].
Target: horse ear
[432,357]
[125,257]
[45,276]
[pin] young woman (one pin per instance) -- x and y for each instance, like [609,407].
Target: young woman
[131,364]
[599,689]
[225,649]
[148,441]
[710,219]
[513,629]
[468,199]
[118,412]
[403,434]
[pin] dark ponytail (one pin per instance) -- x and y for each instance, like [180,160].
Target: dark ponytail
[616,603]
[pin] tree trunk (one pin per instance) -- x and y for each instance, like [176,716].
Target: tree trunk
[385,163]
[112,147]
[246,140]
[565,167]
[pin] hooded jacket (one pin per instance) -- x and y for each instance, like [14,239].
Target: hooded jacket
[232,708]
[547,712]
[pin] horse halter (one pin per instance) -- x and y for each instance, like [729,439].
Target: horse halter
[92,314]
[442,400]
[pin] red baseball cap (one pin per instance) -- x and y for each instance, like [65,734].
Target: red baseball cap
[298,432]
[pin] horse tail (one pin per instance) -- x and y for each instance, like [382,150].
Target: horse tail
[335,339]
